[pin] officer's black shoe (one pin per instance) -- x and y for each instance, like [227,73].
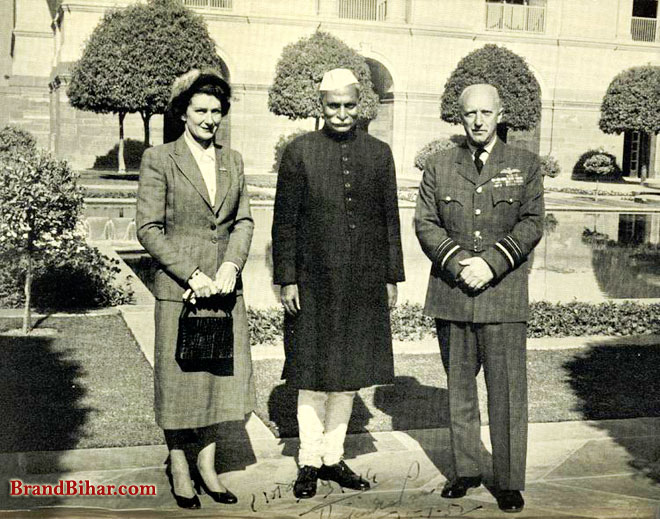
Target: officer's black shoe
[342,474]
[510,501]
[459,487]
[305,485]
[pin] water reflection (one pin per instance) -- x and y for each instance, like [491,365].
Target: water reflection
[582,256]
[592,256]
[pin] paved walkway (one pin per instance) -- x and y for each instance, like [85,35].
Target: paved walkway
[575,469]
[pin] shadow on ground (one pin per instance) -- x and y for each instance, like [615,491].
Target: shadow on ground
[41,400]
[615,382]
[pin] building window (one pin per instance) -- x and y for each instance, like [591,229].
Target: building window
[516,15]
[214,4]
[644,22]
[373,10]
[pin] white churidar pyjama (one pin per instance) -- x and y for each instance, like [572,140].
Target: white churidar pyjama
[322,421]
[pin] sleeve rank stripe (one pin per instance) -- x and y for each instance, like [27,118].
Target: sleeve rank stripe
[515,246]
[445,250]
[503,250]
[451,252]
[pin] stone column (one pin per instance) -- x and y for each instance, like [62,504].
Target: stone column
[397,11]
[328,8]
[399,116]
[654,156]
[624,19]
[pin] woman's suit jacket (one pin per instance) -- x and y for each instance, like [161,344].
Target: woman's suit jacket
[180,227]
[183,230]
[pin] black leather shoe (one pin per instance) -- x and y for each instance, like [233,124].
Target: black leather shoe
[191,503]
[342,474]
[226,497]
[305,485]
[510,501]
[459,487]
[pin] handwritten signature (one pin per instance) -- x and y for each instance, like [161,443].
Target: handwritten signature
[406,505]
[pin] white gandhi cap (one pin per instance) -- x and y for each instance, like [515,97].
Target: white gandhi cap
[337,78]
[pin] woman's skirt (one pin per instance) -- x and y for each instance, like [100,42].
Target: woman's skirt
[184,399]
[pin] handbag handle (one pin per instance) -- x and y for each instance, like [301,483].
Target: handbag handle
[188,304]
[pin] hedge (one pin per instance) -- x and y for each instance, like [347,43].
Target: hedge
[546,320]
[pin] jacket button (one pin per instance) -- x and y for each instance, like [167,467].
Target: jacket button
[346,172]
[510,200]
[477,212]
[347,185]
[477,234]
[479,189]
[352,226]
[213,227]
[345,159]
[447,198]
[214,240]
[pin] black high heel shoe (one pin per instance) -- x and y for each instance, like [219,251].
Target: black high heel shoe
[226,498]
[191,503]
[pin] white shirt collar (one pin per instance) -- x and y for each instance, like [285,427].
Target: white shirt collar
[198,151]
[488,148]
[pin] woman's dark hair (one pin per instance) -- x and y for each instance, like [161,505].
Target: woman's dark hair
[206,83]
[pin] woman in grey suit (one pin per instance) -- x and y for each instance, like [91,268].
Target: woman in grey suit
[193,217]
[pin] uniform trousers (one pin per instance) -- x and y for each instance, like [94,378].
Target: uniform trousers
[322,423]
[501,349]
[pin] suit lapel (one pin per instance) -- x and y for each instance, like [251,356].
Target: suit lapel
[493,164]
[223,178]
[466,167]
[186,163]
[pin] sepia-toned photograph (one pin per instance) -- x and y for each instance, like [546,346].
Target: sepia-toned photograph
[330,259]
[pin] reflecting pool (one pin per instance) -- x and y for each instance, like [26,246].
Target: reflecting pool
[583,256]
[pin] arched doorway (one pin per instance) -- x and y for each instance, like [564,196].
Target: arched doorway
[382,126]
[173,127]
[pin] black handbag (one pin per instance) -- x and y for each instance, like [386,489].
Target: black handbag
[205,341]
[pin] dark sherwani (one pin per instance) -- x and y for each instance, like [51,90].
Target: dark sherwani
[336,234]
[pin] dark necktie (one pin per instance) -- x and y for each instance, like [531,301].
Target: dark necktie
[477,158]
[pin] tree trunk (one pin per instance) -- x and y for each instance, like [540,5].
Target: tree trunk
[146,117]
[121,165]
[316,123]
[27,316]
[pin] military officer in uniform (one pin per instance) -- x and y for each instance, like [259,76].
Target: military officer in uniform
[479,215]
[337,256]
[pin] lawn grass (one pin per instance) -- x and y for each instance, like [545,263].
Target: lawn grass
[88,386]
[594,383]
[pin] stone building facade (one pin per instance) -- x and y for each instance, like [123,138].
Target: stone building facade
[574,49]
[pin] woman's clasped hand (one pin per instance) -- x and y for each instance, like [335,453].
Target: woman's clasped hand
[224,282]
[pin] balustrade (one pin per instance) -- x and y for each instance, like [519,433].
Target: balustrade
[512,17]
[644,29]
[214,4]
[375,10]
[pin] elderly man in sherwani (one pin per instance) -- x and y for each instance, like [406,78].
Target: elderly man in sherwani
[479,215]
[337,257]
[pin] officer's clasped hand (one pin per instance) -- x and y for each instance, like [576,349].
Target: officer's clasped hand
[476,273]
